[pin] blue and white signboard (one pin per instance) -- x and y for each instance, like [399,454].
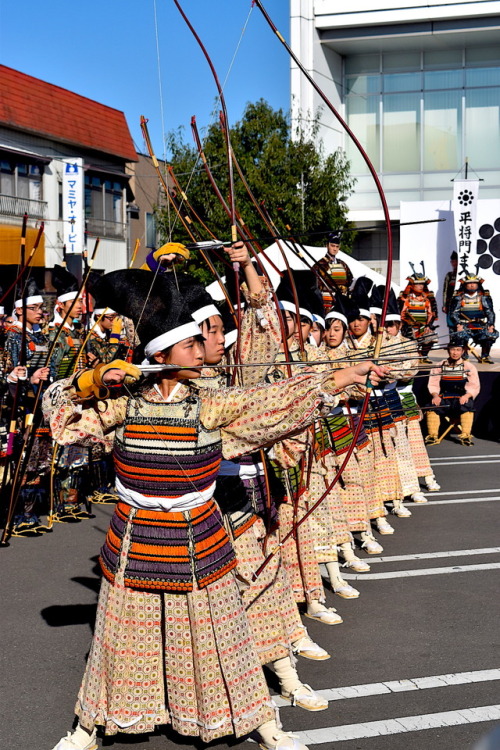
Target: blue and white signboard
[73,200]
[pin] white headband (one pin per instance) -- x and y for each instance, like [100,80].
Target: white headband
[101,310]
[375,311]
[392,316]
[230,338]
[334,315]
[2,310]
[364,313]
[67,297]
[318,319]
[204,313]
[285,305]
[169,338]
[36,299]
[290,306]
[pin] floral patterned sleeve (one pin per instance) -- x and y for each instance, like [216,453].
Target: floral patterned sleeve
[251,418]
[260,335]
[405,354]
[72,421]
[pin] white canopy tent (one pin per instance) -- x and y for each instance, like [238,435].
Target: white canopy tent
[301,258]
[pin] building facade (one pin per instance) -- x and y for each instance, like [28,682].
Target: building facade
[418,84]
[149,197]
[46,131]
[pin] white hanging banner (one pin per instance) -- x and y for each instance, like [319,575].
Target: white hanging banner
[73,205]
[464,205]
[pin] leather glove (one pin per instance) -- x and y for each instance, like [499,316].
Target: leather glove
[116,330]
[89,383]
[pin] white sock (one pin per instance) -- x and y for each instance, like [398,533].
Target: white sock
[334,573]
[347,551]
[267,732]
[315,606]
[367,536]
[287,674]
[81,736]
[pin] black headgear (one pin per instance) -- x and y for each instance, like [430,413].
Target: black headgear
[360,295]
[65,283]
[159,311]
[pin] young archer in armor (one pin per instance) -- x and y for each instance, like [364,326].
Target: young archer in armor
[26,519]
[169,584]
[397,343]
[418,311]
[472,314]
[68,354]
[241,489]
[453,385]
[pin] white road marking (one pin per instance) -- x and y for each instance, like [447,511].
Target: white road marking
[403,686]
[465,500]
[400,725]
[464,492]
[451,502]
[431,555]
[421,572]
[464,463]
[461,458]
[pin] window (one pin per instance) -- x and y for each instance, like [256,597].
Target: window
[482,127]
[421,112]
[151,234]
[104,206]
[21,180]
[442,130]
[401,130]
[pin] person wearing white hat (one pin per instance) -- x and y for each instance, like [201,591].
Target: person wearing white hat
[68,354]
[26,517]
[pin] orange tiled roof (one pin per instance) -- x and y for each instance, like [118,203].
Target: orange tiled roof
[35,106]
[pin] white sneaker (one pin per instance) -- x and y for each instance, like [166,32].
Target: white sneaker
[345,591]
[401,511]
[418,497]
[309,650]
[74,741]
[431,484]
[372,547]
[383,526]
[326,616]
[282,741]
[305,697]
[359,566]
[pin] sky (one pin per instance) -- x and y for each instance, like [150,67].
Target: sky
[107,50]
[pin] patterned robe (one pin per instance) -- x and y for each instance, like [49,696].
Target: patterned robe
[189,656]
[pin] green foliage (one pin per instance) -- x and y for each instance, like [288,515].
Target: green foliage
[298,184]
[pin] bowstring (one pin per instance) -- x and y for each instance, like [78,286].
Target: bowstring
[162,111]
[212,120]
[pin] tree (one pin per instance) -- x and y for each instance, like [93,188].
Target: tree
[289,172]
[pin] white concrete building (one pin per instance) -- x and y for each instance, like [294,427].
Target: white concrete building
[420,87]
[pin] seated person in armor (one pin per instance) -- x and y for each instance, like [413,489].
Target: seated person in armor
[453,386]
[472,314]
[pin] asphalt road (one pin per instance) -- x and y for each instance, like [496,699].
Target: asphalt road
[424,616]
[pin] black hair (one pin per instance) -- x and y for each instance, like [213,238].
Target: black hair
[329,322]
[168,351]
